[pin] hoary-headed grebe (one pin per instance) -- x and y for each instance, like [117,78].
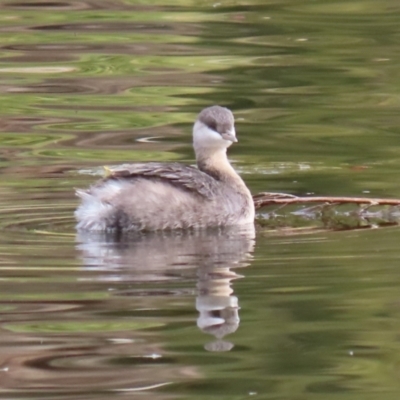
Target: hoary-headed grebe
[155,196]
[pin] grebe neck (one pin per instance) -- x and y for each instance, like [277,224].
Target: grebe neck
[217,165]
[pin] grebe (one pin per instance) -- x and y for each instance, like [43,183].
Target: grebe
[155,196]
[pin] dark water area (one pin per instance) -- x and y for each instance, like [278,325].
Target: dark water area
[271,314]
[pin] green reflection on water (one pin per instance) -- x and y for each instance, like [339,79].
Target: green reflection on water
[315,88]
[82,326]
[106,155]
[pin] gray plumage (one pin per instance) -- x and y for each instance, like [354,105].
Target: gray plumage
[178,175]
[156,196]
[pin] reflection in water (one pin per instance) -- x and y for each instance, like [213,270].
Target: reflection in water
[218,308]
[152,256]
[315,85]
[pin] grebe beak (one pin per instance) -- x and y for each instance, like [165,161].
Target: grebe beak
[231,136]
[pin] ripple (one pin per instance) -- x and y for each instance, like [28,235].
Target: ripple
[56,5]
[150,139]
[37,52]
[79,366]
[51,47]
[79,326]
[346,8]
[43,5]
[35,307]
[37,70]
[51,88]
[27,128]
[55,219]
[109,5]
[154,28]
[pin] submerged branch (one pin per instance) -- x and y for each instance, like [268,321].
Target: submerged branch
[265,199]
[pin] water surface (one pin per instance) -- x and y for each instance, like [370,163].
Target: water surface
[278,314]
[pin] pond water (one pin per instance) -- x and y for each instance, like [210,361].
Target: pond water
[282,314]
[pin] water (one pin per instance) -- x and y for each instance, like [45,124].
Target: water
[300,313]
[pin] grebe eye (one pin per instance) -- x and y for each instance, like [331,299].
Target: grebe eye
[212,125]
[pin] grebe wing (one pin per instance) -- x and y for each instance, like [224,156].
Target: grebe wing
[176,174]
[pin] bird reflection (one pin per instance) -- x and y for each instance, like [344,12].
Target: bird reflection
[214,253]
[217,306]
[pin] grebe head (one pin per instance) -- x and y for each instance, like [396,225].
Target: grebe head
[214,129]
